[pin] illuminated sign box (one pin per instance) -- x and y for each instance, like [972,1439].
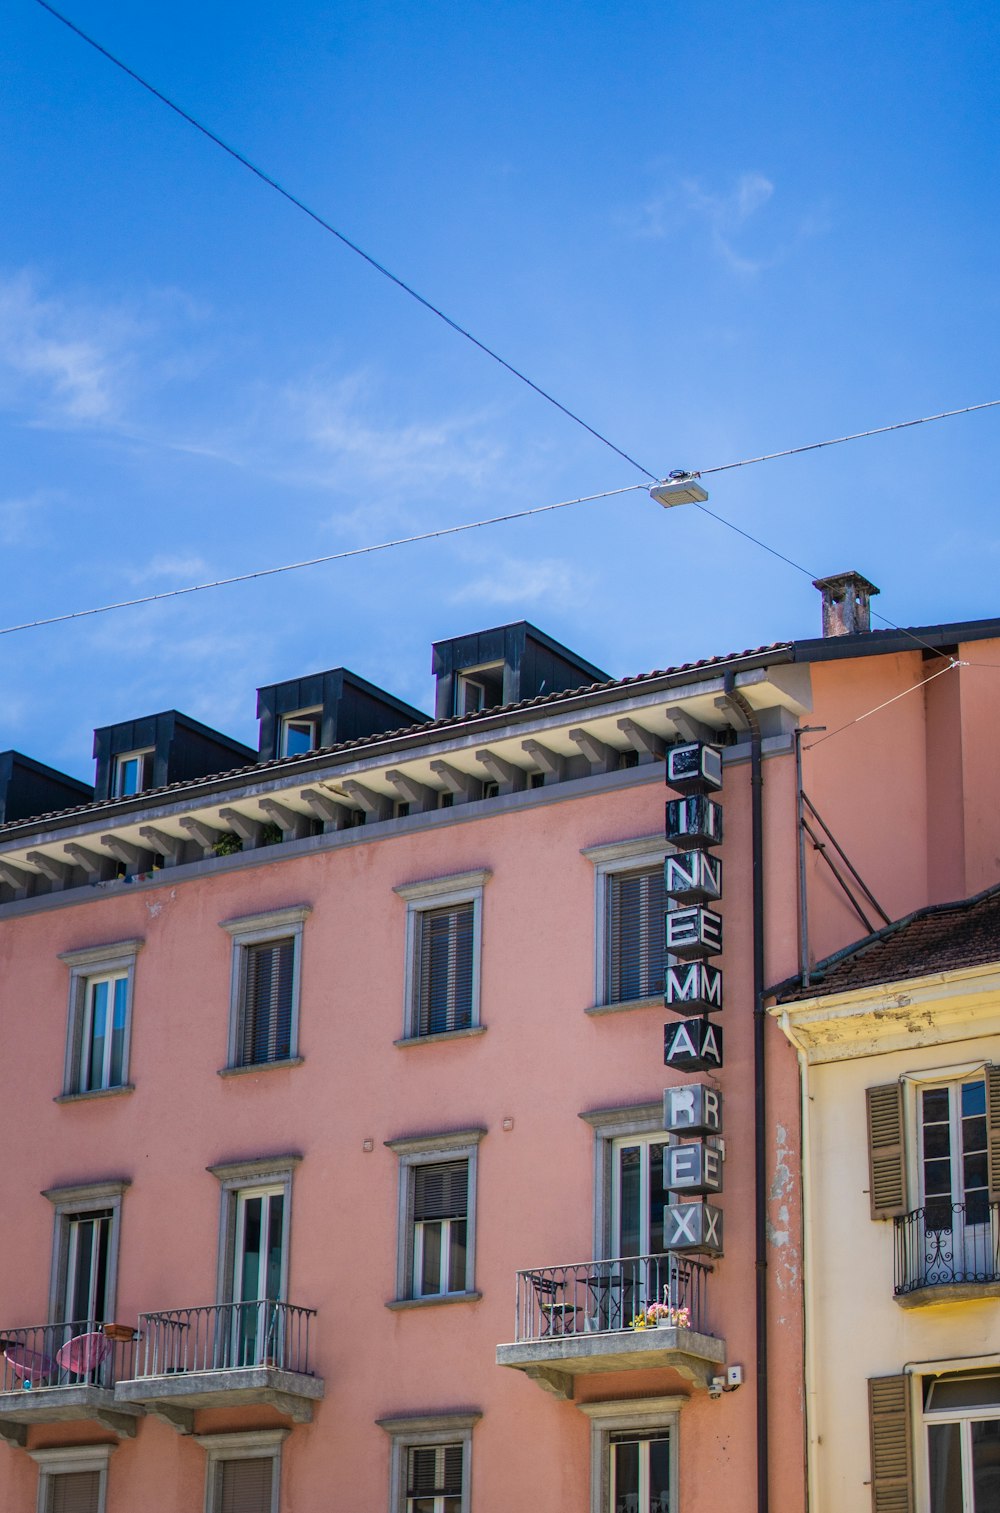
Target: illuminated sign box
[693,933]
[694,822]
[694,1227]
[692,1045]
[691,988]
[692,877]
[694,768]
[693,1108]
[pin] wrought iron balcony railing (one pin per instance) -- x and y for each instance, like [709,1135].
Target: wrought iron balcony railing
[225,1337]
[600,1297]
[73,1354]
[944,1244]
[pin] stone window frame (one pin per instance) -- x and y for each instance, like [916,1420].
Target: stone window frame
[420,898]
[254,930]
[609,859]
[643,1416]
[428,1150]
[234,1178]
[64,1460]
[609,1125]
[245,1444]
[68,1202]
[428,1429]
[84,965]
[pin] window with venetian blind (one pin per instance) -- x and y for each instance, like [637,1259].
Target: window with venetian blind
[440,1208]
[634,956]
[265,987]
[244,1486]
[444,969]
[434,1478]
[265,1028]
[74,1492]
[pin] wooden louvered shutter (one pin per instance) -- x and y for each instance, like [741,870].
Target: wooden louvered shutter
[886,1162]
[993,1129]
[891,1447]
[636,903]
[74,1492]
[445,969]
[441,1190]
[266,1031]
[245,1486]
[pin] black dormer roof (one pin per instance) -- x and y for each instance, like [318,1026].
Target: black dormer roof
[29,788]
[522,662]
[347,706]
[180,750]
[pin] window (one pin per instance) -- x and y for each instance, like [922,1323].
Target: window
[629,930]
[133,773]
[479,688]
[300,732]
[72,1478]
[443,949]
[264,994]
[437,1210]
[100,1013]
[934,1155]
[962,1424]
[243,1474]
[430,1470]
[253,1250]
[633,1461]
[84,1253]
[629,1205]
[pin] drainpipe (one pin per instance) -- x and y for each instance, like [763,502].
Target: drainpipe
[739,704]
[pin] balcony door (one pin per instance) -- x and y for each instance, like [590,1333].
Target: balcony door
[954,1182]
[88,1247]
[258,1274]
[640,1474]
[638,1200]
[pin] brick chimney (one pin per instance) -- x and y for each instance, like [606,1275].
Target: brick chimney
[846,610]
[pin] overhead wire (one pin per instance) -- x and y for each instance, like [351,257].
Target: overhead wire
[379,267]
[292,567]
[952,665]
[345,240]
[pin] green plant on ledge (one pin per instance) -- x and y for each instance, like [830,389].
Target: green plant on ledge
[270,834]
[228,844]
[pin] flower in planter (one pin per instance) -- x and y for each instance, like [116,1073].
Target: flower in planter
[665,1313]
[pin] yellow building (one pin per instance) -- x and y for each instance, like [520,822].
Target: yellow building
[898,1040]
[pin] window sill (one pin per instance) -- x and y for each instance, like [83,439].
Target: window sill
[97,1092]
[398,1304]
[654,1001]
[259,1066]
[472,1029]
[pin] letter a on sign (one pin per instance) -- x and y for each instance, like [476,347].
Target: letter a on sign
[692,1045]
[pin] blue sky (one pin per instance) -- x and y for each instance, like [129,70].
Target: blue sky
[712,231]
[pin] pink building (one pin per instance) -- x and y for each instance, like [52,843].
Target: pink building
[337,1171]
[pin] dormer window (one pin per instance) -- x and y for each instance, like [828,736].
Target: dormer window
[300,732]
[479,688]
[133,773]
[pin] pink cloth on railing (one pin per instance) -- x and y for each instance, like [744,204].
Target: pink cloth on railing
[84,1353]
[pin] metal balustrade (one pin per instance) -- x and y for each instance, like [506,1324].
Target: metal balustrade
[72,1354]
[601,1297]
[946,1243]
[225,1337]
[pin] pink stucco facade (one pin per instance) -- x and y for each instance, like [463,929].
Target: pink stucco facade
[904,793]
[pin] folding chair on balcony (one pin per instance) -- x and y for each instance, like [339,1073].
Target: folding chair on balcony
[558,1316]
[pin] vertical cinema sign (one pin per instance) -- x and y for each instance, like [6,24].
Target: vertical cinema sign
[692,989]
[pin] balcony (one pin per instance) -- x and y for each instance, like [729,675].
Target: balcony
[58,1373]
[583,1318]
[226,1355]
[947,1253]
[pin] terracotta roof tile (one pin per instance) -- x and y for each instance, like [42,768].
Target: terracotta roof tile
[938,938]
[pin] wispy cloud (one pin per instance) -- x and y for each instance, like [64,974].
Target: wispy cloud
[60,361]
[22,520]
[730,218]
[514,580]
[164,571]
